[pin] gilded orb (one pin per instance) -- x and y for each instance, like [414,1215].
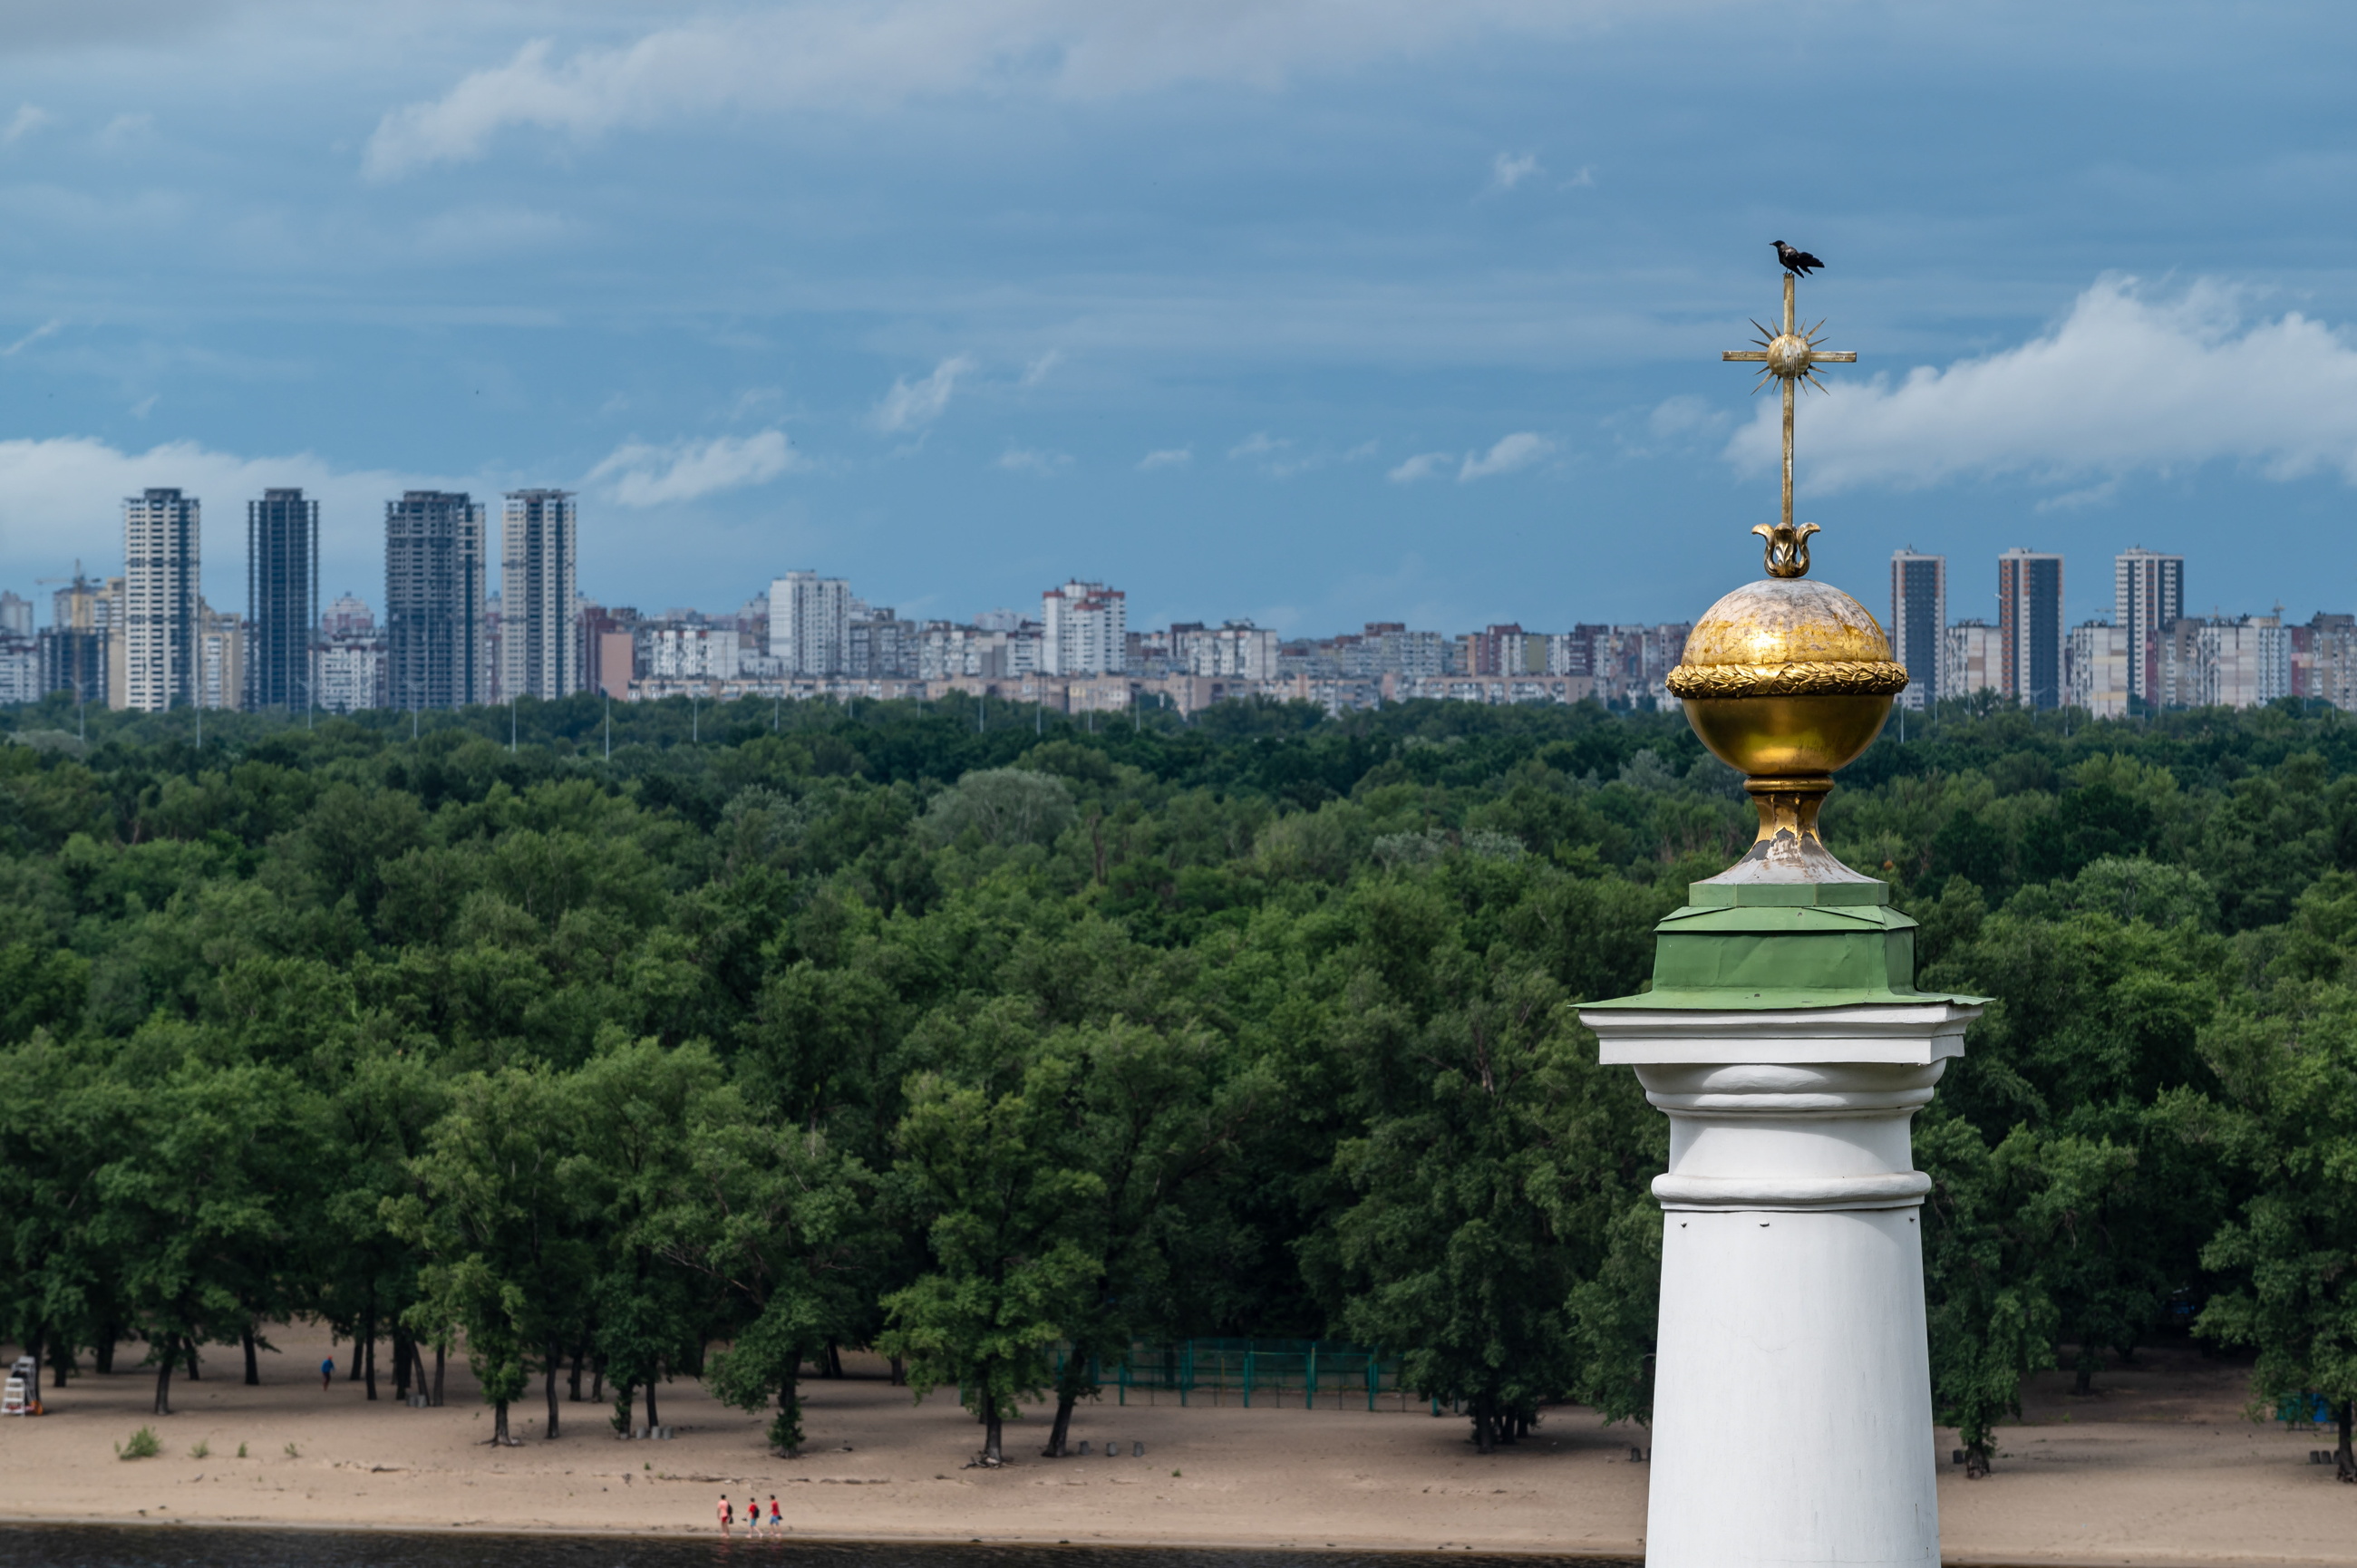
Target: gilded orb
[1787,680]
[1788,355]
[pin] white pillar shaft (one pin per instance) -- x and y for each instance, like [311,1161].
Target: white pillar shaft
[1792,1390]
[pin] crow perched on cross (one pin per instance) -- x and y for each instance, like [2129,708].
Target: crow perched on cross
[1797,262]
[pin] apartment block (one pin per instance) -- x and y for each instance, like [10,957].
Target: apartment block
[540,646]
[161,586]
[282,596]
[1083,629]
[2148,594]
[1919,623]
[2029,616]
[2100,659]
[810,624]
[2244,661]
[1975,660]
[435,562]
[2324,660]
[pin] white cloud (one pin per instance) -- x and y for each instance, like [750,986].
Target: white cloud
[45,329]
[642,475]
[1025,460]
[1519,450]
[2128,381]
[1259,443]
[1510,169]
[1423,466]
[1579,181]
[125,129]
[27,119]
[57,497]
[1165,458]
[1037,371]
[872,55]
[911,404]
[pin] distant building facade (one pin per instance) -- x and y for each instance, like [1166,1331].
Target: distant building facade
[2147,596]
[435,569]
[1974,661]
[162,571]
[810,624]
[1919,623]
[282,596]
[540,649]
[2029,616]
[1083,629]
[2100,659]
[2324,660]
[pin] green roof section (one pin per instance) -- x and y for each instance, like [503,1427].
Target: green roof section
[1774,946]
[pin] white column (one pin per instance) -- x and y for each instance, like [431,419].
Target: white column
[1792,1390]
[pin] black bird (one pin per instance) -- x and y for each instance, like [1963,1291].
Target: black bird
[1796,262]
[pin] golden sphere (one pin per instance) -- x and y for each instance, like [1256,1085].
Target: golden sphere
[1788,354]
[1787,677]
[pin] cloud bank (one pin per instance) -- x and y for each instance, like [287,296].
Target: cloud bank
[869,55]
[2129,381]
[910,406]
[644,475]
[1505,454]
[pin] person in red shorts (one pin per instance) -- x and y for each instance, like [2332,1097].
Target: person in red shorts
[728,1514]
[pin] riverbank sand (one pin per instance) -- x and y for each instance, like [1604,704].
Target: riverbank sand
[2158,1466]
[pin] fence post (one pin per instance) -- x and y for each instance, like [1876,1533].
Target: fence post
[1122,1377]
[1186,1372]
[1248,1378]
[1373,1378]
[1309,1383]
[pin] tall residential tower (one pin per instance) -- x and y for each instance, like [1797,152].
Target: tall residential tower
[2147,593]
[1919,619]
[434,567]
[2029,618]
[282,596]
[540,656]
[160,587]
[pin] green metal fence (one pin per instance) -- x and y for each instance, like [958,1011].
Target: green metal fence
[1302,1374]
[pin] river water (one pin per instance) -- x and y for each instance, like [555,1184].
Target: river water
[191,1546]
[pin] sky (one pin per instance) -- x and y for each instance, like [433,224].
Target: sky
[1309,311]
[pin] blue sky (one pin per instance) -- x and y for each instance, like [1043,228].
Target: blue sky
[1304,310]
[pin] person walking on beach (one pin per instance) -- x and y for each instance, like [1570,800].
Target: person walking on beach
[777,1520]
[728,1514]
[326,1374]
[753,1518]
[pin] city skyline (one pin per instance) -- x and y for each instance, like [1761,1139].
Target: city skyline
[1135,295]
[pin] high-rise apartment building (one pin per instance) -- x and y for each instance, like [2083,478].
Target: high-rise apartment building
[2243,661]
[2147,593]
[540,649]
[161,570]
[76,643]
[1974,661]
[1084,630]
[2099,666]
[221,672]
[810,624]
[2324,660]
[350,657]
[282,597]
[15,615]
[1919,623]
[2029,616]
[433,570]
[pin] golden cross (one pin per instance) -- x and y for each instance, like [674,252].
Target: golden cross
[1790,356]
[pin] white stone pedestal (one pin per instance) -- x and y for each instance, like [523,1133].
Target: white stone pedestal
[1792,1397]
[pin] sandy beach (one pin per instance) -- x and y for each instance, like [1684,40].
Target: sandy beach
[2159,1466]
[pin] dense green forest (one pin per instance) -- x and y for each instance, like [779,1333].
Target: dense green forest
[705,1042]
